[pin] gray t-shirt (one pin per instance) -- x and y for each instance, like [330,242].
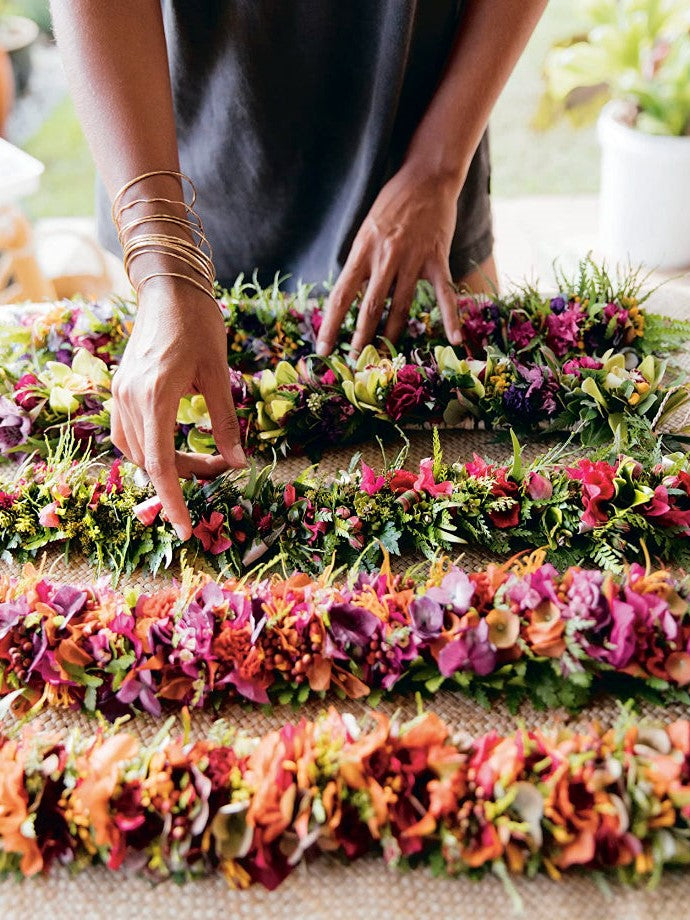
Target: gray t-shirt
[291,115]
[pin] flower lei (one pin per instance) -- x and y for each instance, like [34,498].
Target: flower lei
[516,630]
[526,362]
[252,809]
[588,510]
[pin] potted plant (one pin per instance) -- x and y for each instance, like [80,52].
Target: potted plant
[632,65]
[17,35]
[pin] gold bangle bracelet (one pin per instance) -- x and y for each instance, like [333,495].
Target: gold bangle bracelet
[201,267]
[197,284]
[173,173]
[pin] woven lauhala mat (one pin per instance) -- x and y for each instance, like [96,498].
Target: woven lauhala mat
[325,889]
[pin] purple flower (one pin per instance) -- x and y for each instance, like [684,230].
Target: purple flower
[140,688]
[456,590]
[15,425]
[471,651]
[350,625]
[427,617]
[66,601]
[558,304]
[11,612]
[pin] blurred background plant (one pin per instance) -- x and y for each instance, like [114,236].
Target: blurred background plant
[635,51]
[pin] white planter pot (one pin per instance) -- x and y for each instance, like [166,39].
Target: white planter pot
[644,212]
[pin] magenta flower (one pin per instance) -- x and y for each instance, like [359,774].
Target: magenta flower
[622,638]
[371,483]
[521,333]
[471,651]
[22,392]
[563,331]
[407,393]
[212,534]
[425,482]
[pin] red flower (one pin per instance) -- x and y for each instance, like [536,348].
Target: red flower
[290,495]
[505,488]
[212,534]
[407,393]
[402,481]
[597,489]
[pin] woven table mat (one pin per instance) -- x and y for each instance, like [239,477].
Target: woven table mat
[326,889]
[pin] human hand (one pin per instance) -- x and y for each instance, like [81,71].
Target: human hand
[177,346]
[406,236]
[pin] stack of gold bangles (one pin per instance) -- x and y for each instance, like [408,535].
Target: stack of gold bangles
[189,245]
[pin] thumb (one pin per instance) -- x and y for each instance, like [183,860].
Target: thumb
[221,409]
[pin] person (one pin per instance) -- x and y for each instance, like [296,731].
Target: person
[326,139]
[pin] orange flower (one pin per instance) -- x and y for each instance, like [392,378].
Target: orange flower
[545,631]
[13,810]
[101,768]
[504,627]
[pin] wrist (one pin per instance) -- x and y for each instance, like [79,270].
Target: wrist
[440,169]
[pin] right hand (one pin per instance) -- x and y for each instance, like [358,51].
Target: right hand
[178,346]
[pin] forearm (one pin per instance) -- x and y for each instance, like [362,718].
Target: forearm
[116,62]
[488,45]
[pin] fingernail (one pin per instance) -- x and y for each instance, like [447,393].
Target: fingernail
[321,349]
[182,532]
[456,337]
[237,456]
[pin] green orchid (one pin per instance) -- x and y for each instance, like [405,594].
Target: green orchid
[278,390]
[194,411]
[366,389]
[87,374]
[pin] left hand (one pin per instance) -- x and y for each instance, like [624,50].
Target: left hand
[406,236]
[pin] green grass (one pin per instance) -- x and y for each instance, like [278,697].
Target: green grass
[67,186]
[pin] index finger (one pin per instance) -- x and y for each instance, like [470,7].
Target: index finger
[159,450]
[340,300]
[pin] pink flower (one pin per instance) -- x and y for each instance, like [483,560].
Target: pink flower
[47,516]
[212,534]
[425,482]
[289,495]
[539,487]
[597,489]
[477,467]
[147,511]
[371,483]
